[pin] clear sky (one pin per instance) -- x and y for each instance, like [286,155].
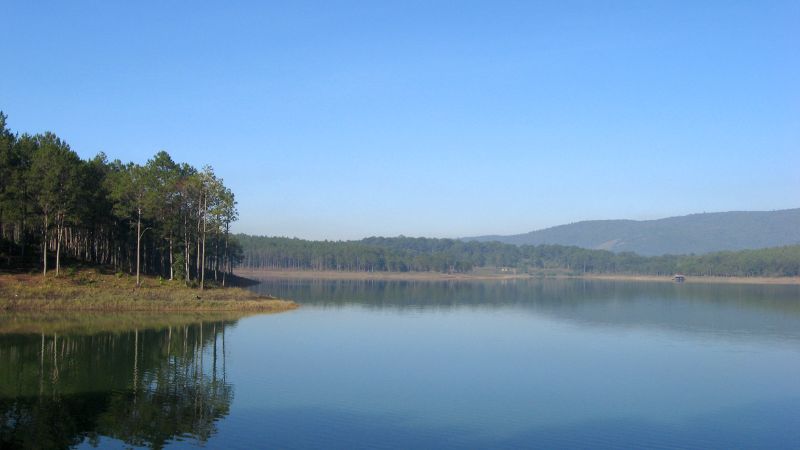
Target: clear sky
[340,120]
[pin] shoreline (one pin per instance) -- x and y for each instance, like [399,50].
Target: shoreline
[177,306]
[93,322]
[382,276]
[438,276]
[695,279]
[90,290]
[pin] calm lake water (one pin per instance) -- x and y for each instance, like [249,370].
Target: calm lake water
[543,364]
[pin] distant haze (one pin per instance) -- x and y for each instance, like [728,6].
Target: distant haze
[695,233]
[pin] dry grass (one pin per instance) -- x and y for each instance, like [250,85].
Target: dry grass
[91,290]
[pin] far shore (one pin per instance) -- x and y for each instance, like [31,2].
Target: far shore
[399,276]
[694,279]
[482,276]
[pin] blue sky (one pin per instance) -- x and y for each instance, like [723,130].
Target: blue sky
[340,120]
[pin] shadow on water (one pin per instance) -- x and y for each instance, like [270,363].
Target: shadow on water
[144,387]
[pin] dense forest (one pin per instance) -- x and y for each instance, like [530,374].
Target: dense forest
[161,218]
[404,254]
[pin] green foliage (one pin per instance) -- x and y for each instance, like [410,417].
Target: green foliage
[178,266]
[402,254]
[91,211]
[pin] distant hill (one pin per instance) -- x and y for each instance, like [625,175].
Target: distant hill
[695,233]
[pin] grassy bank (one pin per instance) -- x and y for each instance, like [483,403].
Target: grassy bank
[92,290]
[480,275]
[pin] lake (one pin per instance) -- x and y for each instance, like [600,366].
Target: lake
[390,364]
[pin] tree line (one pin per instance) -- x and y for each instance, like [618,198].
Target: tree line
[403,254]
[161,218]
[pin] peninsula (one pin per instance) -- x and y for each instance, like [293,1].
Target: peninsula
[94,290]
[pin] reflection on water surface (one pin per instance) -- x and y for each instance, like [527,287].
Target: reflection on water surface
[365,364]
[735,310]
[144,387]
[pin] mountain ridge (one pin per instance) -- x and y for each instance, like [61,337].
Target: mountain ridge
[697,233]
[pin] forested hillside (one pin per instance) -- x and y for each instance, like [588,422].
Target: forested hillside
[163,217]
[695,233]
[404,254]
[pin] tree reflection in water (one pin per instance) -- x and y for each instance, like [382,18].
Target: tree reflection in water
[144,387]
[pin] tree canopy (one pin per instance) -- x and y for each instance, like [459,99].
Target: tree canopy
[54,205]
[402,254]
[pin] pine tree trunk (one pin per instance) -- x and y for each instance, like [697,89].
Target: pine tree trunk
[203,259]
[171,262]
[225,262]
[58,246]
[44,244]
[199,221]
[186,248]
[23,236]
[138,243]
